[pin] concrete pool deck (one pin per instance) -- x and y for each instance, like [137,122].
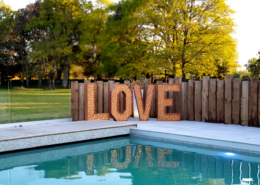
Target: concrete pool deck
[224,136]
[17,138]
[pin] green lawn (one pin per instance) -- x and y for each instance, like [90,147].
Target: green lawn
[33,104]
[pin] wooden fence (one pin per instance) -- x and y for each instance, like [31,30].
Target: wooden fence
[230,101]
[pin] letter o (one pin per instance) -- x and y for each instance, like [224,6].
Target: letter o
[114,102]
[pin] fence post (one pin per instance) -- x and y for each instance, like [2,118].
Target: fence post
[100,96]
[96,97]
[220,101]
[74,101]
[253,102]
[81,101]
[171,96]
[106,94]
[236,101]
[205,98]
[191,94]
[244,111]
[212,100]
[156,98]
[228,99]
[124,100]
[177,97]
[198,100]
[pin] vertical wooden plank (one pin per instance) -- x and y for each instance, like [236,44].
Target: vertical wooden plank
[191,91]
[100,98]
[74,101]
[156,96]
[205,98]
[228,99]
[111,83]
[198,101]
[127,82]
[220,101]
[184,98]
[143,85]
[236,101]
[253,121]
[124,100]
[81,102]
[96,97]
[245,103]
[146,83]
[145,89]
[87,81]
[106,94]
[259,103]
[212,100]
[177,97]
[171,95]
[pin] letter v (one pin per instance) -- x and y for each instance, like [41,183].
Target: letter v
[144,112]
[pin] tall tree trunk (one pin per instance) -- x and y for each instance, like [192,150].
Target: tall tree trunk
[27,76]
[59,73]
[183,74]
[22,78]
[65,76]
[53,84]
[39,80]
[66,72]
[1,78]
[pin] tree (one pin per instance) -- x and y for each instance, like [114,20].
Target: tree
[24,38]
[9,61]
[129,48]
[58,24]
[253,66]
[90,41]
[186,33]
[194,34]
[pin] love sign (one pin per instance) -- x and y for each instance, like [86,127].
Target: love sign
[143,109]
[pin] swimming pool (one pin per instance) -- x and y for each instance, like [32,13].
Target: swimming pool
[128,160]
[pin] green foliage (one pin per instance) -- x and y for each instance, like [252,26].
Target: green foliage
[241,74]
[133,38]
[8,42]
[253,66]
[151,36]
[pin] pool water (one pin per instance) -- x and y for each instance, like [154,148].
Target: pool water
[128,160]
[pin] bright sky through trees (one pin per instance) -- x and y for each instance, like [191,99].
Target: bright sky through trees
[248,28]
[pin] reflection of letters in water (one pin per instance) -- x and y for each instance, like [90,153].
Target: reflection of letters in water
[161,162]
[90,164]
[138,156]
[161,159]
[149,156]
[121,165]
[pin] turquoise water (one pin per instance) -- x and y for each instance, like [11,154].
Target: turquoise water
[128,160]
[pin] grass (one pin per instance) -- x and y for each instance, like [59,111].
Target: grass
[19,105]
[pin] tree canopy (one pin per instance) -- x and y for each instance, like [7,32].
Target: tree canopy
[129,39]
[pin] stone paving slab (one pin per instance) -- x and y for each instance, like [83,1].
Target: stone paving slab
[45,135]
[42,130]
[214,134]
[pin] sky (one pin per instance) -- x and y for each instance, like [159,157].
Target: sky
[246,18]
